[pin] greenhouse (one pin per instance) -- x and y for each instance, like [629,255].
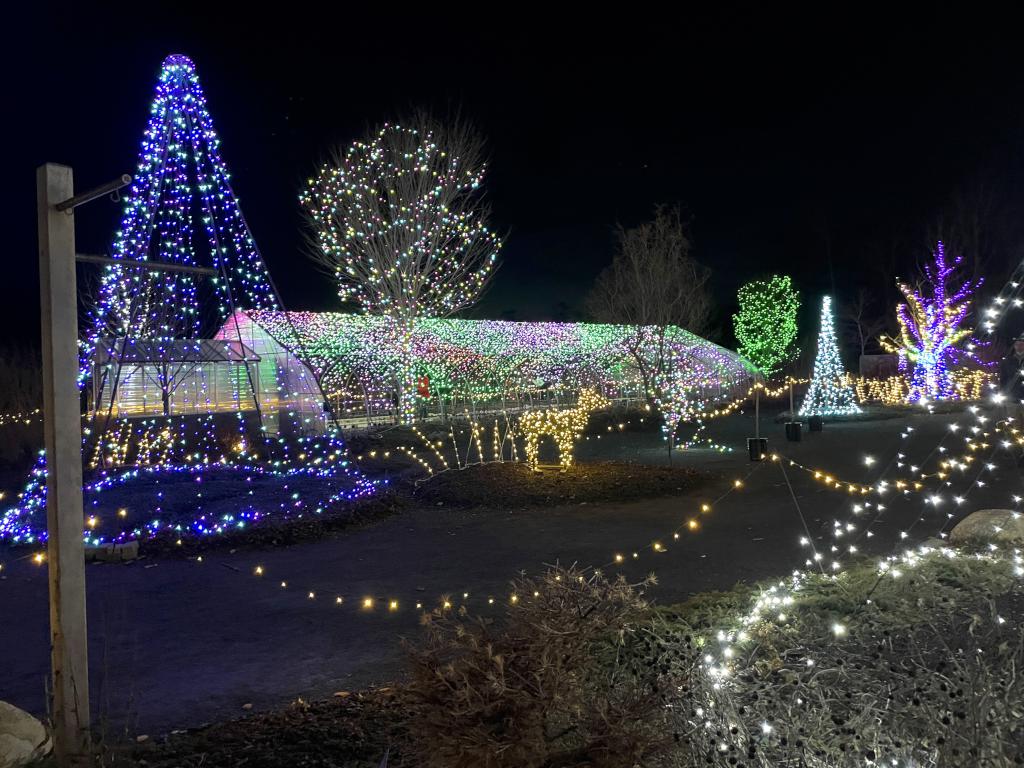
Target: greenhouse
[132,379]
[475,365]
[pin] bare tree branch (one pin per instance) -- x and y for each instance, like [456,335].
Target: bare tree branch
[400,222]
[861,320]
[653,280]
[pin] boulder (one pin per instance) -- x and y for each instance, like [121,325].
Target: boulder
[113,553]
[989,526]
[23,739]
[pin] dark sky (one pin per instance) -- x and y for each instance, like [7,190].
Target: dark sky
[790,139]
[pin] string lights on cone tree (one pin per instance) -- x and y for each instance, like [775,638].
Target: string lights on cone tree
[829,394]
[932,338]
[179,170]
[182,210]
[399,220]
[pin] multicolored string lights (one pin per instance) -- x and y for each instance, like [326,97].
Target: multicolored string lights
[154,329]
[469,363]
[179,166]
[399,219]
[932,333]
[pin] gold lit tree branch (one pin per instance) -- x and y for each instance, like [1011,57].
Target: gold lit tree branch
[932,335]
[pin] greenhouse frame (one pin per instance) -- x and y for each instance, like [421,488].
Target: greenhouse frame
[463,366]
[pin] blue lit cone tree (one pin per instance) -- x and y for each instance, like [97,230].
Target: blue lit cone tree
[828,394]
[180,210]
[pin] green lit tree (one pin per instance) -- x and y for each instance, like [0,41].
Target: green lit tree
[765,325]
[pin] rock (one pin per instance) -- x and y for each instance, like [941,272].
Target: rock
[113,553]
[997,526]
[23,739]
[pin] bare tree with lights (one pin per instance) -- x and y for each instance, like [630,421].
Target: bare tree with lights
[399,220]
[863,323]
[652,284]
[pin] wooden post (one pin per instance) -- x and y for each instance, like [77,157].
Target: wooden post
[63,431]
[757,408]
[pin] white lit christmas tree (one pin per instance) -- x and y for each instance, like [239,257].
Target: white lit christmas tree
[829,394]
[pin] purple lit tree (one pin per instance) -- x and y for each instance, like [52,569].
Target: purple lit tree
[932,334]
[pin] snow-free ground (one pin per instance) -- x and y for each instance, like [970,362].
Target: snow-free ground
[177,642]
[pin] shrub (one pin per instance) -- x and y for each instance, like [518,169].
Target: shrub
[554,684]
[925,673]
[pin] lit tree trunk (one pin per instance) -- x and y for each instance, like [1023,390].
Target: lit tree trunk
[405,375]
[932,332]
[165,390]
[400,222]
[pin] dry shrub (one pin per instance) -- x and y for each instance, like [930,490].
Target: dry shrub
[21,391]
[928,673]
[21,380]
[553,684]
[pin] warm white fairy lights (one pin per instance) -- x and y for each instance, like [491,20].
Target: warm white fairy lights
[24,418]
[564,426]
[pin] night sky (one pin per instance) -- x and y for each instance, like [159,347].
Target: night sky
[824,147]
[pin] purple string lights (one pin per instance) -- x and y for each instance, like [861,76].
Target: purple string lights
[931,337]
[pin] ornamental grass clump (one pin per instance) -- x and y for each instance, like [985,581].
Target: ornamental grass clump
[918,663]
[554,683]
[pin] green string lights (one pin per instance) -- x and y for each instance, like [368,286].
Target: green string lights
[765,325]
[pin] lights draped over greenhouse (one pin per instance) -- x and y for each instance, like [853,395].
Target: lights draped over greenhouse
[467,363]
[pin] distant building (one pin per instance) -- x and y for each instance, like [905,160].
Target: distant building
[141,379]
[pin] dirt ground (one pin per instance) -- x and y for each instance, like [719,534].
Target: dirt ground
[177,642]
[512,486]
